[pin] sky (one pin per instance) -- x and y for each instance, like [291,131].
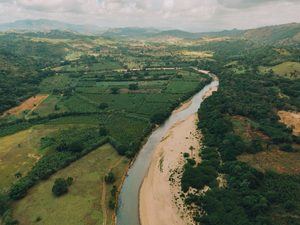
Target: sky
[191,15]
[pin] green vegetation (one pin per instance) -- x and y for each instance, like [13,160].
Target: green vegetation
[61,185]
[102,90]
[242,118]
[87,200]
[95,88]
[285,69]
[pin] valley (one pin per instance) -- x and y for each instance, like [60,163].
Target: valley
[114,119]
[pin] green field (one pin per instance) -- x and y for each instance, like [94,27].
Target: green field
[87,200]
[106,94]
[287,69]
[19,152]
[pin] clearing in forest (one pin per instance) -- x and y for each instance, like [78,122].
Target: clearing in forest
[291,119]
[274,160]
[287,69]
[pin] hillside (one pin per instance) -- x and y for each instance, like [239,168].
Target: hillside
[280,34]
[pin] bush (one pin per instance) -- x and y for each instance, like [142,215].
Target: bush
[103,131]
[4,204]
[112,203]
[69,181]
[115,90]
[71,147]
[110,178]
[103,105]
[133,86]
[159,118]
[286,147]
[60,187]
[186,155]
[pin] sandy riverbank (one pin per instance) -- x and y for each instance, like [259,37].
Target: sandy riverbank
[160,203]
[157,195]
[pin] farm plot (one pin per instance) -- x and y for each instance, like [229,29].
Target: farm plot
[19,152]
[88,197]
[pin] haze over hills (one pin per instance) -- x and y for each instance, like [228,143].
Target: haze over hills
[47,25]
[283,34]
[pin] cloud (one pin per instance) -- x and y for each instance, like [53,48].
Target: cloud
[198,15]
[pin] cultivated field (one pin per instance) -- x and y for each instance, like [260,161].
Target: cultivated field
[19,152]
[88,197]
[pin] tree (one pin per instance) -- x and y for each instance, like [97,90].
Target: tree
[114,191]
[103,131]
[103,105]
[110,178]
[60,187]
[69,181]
[4,204]
[134,86]
[112,203]
[114,90]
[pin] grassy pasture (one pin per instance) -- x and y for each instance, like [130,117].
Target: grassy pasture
[87,200]
[19,152]
[48,106]
[287,69]
[274,160]
[58,82]
[181,87]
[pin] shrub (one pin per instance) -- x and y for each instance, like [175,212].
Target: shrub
[60,187]
[133,86]
[103,105]
[4,204]
[186,155]
[110,178]
[103,131]
[115,90]
[112,203]
[286,147]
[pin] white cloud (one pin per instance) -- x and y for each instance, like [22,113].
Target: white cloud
[187,14]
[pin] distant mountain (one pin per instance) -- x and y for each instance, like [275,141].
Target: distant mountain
[43,25]
[278,34]
[130,32]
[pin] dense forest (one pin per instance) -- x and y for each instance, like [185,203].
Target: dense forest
[250,196]
[24,65]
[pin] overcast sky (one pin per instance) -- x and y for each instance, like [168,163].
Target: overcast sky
[193,15]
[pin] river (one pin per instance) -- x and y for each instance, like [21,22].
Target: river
[128,205]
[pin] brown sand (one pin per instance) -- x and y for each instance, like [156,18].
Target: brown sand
[291,119]
[157,195]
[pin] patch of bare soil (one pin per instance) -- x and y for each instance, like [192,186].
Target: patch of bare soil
[291,119]
[29,104]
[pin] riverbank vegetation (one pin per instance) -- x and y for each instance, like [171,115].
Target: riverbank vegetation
[96,91]
[80,93]
[241,119]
